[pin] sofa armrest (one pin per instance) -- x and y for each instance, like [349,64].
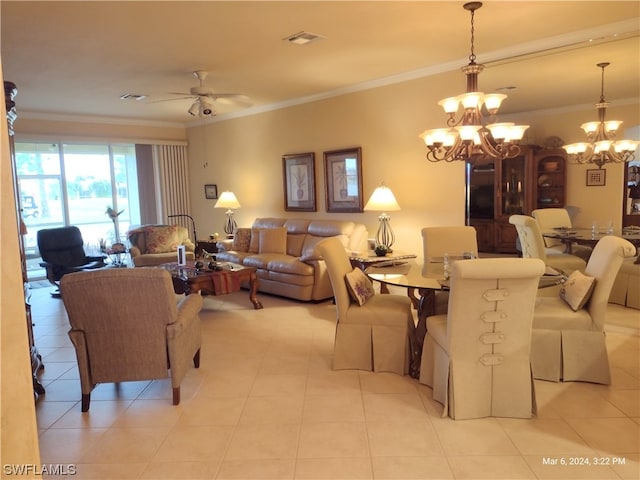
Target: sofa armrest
[134,251]
[189,245]
[224,245]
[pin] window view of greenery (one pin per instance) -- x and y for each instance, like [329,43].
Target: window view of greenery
[72,184]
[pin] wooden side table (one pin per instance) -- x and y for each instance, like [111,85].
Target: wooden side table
[206,245]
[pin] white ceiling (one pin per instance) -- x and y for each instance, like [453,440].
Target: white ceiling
[78,58]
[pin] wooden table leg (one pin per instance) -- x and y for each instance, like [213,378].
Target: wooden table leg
[253,290]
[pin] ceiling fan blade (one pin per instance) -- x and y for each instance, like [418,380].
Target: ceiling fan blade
[232,99]
[172,99]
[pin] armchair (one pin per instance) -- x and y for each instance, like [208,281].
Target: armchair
[532,243]
[476,356]
[570,345]
[62,251]
[374,336]
[126,326]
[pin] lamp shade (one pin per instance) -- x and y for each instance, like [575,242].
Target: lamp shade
[382,200]
[227,200]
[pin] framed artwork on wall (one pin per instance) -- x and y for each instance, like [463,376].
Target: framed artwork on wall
[343,180]
[596,177]
[299,180]
[211,191]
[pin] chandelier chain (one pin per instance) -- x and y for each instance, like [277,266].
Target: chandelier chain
[472,56]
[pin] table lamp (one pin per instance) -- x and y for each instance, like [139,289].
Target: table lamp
[229,201]
[383,200]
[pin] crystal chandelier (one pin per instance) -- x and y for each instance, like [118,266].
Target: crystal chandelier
[602,146]
[467,137]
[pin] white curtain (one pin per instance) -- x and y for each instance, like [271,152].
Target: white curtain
[172,184]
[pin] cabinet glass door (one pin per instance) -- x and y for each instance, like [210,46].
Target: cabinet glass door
[512,186]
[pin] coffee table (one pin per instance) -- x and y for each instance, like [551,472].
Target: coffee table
[226,278]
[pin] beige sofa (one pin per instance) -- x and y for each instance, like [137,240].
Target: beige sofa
[153,245]
[285,253]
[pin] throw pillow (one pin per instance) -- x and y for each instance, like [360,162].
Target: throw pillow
[577,290]
[359,285]
[273,240]
[254,244]
[161,239]
[241,240]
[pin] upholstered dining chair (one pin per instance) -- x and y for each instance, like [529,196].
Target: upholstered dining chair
[454,240]
[533,246]
[127,326]
[62,252]
[476,357]
[374,336]
[568,338]
[552,218]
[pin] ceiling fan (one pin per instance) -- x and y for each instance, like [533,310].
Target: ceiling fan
[205,98]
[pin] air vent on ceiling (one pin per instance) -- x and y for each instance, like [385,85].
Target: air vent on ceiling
[132,96]
[302,38]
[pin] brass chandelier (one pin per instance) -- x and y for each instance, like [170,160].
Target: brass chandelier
[466,136]
[602,146]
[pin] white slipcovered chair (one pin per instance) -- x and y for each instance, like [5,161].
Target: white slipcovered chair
[533,246]
[374,336]
[551,218]
[453,240]
[476,357]
[570,345]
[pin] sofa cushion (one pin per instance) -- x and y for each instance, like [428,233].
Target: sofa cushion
[241,240]
[273,240]
[360,287]
[294,243]
[161,239]
[577,290]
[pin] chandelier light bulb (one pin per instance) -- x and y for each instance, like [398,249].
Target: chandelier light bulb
[450,105]
[493,101]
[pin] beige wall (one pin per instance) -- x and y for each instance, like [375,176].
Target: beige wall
[245,155]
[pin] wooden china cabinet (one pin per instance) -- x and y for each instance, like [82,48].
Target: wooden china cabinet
[497,189]
[10,92]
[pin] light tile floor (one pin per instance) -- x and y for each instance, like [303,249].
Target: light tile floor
[265,404]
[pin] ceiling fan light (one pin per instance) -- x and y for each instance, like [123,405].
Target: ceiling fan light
[194,109]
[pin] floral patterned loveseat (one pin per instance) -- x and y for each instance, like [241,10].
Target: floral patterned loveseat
[156,244]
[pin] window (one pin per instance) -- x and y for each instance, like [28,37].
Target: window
[75,184]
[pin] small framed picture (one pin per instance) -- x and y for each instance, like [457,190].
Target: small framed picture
[343,180]
[596,177]
[211,192]
[298,173]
